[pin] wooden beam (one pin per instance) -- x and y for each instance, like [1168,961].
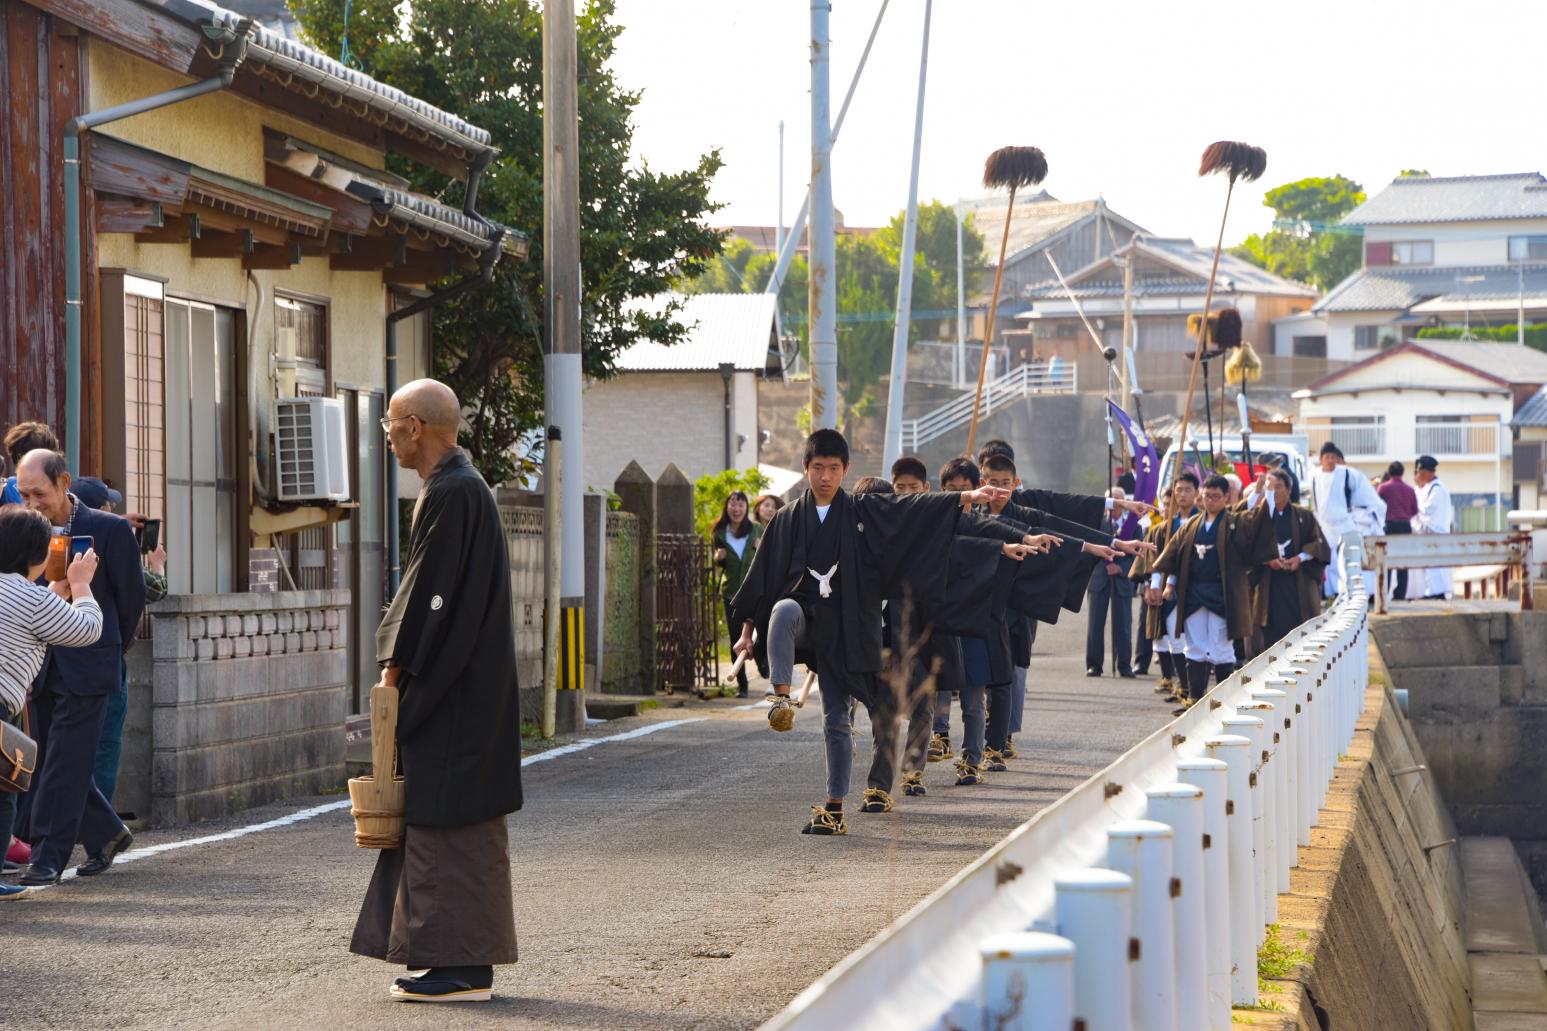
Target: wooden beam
[142,29]
[350,214]
[133,172]
[225,222]
[127,216]
[223,245]
[420,268]
[268,256]
[372,253]
[178,229]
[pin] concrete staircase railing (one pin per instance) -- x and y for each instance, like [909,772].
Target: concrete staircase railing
[1012,386]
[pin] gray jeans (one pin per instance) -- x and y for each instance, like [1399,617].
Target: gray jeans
[786,632]
[974,720]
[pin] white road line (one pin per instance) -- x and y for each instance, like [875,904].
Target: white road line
[332,807]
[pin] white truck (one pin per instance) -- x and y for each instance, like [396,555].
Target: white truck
[1267,449]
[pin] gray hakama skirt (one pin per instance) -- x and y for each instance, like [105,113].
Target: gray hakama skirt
[442,900]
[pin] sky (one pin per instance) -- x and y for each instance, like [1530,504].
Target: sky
[1121,95]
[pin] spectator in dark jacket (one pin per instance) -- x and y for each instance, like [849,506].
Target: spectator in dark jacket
[70,699]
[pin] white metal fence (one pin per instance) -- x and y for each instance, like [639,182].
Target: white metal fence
[1138,900]
[1020,382]
[1472,439]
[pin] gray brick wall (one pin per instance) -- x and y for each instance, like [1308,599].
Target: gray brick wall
[247,698]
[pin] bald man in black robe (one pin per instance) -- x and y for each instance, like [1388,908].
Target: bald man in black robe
[441,903]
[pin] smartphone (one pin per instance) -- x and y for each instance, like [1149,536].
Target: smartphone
[150,536]
[80,545]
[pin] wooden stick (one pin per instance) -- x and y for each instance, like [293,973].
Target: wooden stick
[1203,332]
[384,701]
[988,329]
[805,689]
[1079,309]
[741,660]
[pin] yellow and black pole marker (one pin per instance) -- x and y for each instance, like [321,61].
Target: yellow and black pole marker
[572,648]
[553,454]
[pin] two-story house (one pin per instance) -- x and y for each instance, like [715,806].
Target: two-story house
[1463,251]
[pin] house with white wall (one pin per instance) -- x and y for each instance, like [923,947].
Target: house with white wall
[694,403]
[1462,251]
[1455,400]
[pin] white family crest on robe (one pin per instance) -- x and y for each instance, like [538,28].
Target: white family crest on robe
[1283,549]
[1202,550]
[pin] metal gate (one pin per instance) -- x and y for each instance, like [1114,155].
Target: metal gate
[687,613]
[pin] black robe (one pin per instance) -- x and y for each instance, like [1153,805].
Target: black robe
[449,633]
[890,546]
[1085,509]
[1037,520]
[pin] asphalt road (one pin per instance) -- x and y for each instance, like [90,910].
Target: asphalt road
[661,882]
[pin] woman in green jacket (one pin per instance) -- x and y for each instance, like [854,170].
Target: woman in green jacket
[734,538]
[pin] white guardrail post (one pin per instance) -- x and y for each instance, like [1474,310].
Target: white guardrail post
[1028,982]
[1200,824]
[1235,752]
[1283,768]
[1180,807]
[1093,912]
[1142,850]
[1211,776]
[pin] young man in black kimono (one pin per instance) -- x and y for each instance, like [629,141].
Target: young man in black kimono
[441,902]
[1286,588]
[826,563]
[1203,569]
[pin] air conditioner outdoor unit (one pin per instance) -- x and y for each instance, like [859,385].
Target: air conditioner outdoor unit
[311,460]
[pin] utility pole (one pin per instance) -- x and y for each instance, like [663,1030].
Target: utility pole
[898,389]
[821,298]
[561,317]
[779,236]
[961,304]
[1128,326]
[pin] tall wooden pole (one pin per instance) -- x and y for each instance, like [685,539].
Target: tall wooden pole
[1203,335]
[988,330]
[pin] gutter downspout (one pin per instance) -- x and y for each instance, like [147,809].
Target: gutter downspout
[727,370]
[233,44]
[485,273]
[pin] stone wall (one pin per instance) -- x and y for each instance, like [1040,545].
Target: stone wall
[1476,683]
[236,700]
[1376,905]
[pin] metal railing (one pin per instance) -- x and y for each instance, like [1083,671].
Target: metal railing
[1457,438]
[1354,441]
[1014,385]
[1140,898]
[1509,549]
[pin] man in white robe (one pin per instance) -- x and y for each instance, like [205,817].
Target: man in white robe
[1345,502]
[1435,515]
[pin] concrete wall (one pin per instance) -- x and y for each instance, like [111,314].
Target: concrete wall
[1378,918]
[1469,243]
[1477,697]
[237,700]
[658,417]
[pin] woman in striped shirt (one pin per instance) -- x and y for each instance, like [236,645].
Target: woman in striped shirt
[32,617]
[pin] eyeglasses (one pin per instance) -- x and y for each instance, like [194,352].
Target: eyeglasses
[386,424]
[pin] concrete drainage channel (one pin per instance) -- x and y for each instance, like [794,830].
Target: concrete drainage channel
[1283,849]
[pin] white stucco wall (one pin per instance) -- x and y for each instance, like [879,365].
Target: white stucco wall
[1463,243]
[659,417]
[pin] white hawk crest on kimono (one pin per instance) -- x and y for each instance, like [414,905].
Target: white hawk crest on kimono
[1202,550]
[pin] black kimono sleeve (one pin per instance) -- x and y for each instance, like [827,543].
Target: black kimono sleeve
[1045,522]
[1085,509]
[906,540]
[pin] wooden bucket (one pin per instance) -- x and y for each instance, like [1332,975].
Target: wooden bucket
[376,802]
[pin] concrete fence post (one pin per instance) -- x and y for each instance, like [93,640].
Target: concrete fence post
[1267,798]
[1180,806]
[1211,776]
[1028,982]
[1250,727]
[1092,909]
[1279,728]
[1235,751]
[1142,850]
[636,494]
[674,501]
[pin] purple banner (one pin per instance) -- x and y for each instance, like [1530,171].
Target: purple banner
[1146,477]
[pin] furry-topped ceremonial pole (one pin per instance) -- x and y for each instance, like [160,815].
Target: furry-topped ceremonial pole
[1012,167]
[1238,161]
[1243,367]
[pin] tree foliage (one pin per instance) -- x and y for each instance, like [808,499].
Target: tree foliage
[1310,250]
[867,290]
[641,231]
[1536,335]
[711,490]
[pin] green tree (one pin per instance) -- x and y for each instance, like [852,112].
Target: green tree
[727,273]
[640,230]
[1306,245]
[711,489]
